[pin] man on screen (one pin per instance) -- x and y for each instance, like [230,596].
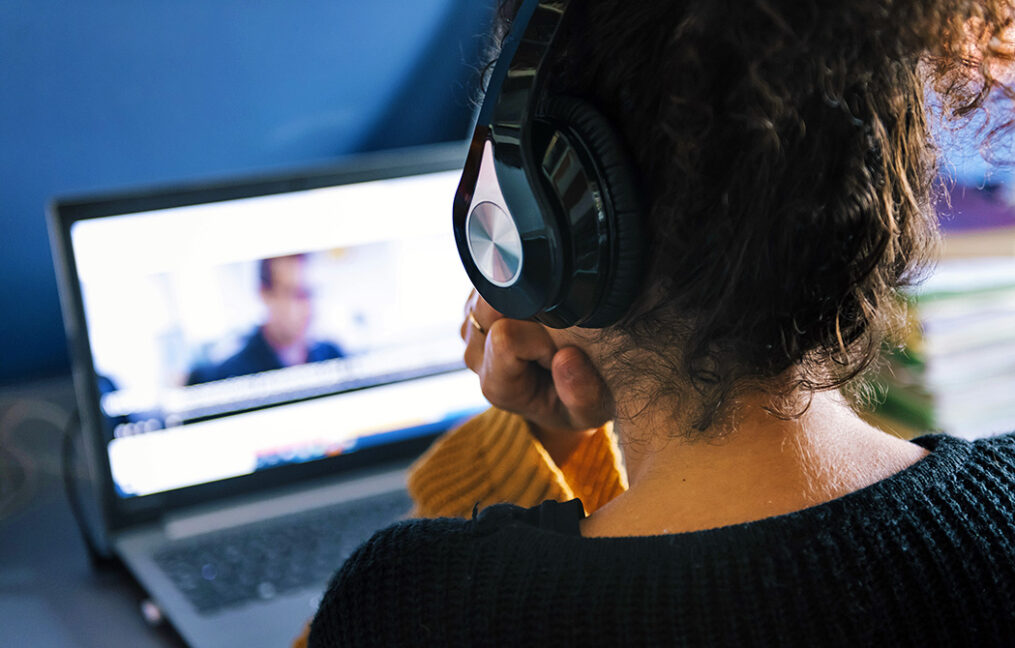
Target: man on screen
[281,340]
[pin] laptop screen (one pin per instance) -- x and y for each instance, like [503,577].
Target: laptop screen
[235,336]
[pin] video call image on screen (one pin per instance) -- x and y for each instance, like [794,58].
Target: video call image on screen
[236,336]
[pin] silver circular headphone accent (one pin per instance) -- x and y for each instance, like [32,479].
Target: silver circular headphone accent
[494,243]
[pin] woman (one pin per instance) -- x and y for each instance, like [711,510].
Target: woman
[783,151]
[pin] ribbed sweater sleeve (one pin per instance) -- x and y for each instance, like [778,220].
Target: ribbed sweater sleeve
[595,471]
[493,458]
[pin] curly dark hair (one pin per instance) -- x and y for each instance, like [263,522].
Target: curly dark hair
[788,166]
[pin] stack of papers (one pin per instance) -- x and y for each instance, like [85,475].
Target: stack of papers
[956,373]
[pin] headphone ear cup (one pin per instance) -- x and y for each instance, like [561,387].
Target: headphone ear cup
[621,200]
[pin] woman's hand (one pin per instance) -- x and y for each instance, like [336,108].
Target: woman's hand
[521,370]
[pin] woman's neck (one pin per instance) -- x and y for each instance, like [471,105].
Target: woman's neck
[763,466]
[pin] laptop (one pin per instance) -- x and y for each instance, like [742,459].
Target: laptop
[257,362]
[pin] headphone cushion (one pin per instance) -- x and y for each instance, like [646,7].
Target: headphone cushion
[621,196]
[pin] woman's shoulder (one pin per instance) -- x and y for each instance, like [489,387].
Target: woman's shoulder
[421,566]
[1002,443]
[418,538]
[995,456]
[957,457]
[373,581]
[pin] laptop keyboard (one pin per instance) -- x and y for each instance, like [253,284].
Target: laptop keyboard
[263,560]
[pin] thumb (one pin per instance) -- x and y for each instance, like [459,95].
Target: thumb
[580,388]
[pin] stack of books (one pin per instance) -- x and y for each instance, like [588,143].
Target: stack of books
[956,373]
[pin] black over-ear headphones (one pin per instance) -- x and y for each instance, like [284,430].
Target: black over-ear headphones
[547,218]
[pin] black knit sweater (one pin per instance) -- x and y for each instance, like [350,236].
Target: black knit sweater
[923,558]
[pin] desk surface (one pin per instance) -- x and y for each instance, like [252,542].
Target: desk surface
[50,595]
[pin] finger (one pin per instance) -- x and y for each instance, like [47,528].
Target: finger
[470,304]
[473,357]
[470,301]
[484,313]
[474,344]
[515,364]
[580,388]
[511,344]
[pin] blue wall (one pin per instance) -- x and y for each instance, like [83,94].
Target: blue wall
[114,93]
